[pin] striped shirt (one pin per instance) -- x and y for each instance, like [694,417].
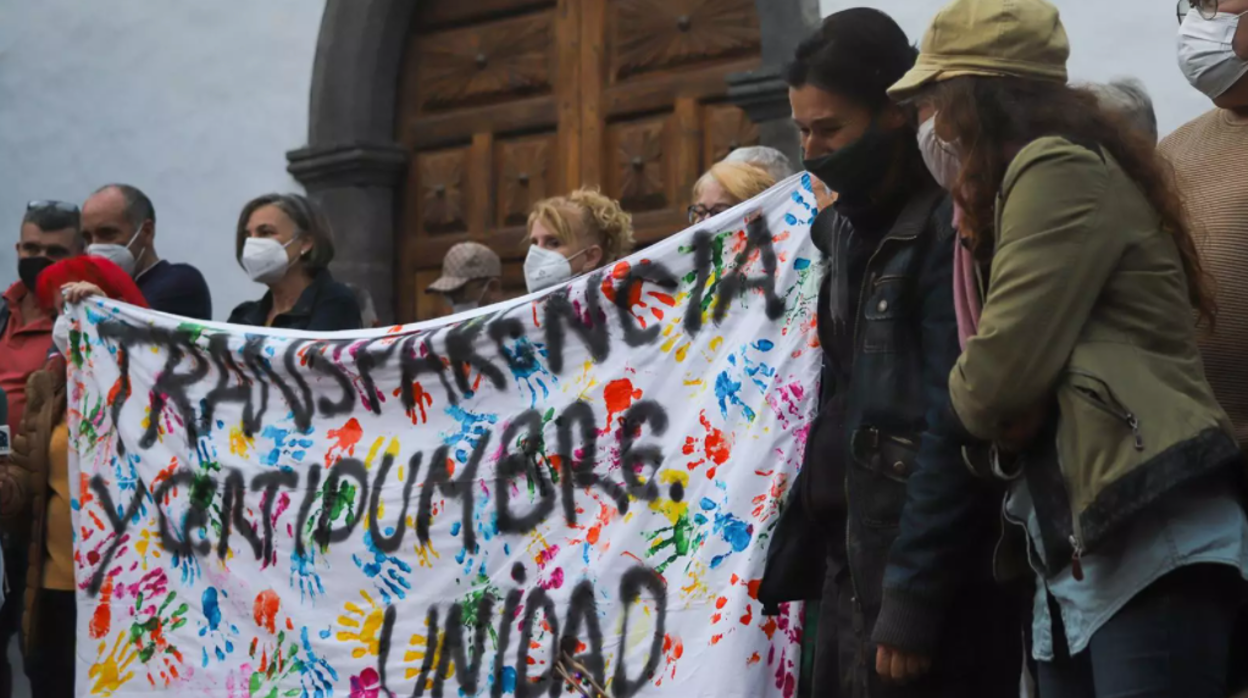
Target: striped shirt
[1210,157]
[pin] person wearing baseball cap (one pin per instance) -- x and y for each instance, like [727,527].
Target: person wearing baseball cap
[1084,368]
[472,276]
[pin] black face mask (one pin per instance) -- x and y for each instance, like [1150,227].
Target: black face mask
[28,269]
[857,170]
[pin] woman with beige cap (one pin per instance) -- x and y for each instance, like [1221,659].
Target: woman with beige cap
[1084,369]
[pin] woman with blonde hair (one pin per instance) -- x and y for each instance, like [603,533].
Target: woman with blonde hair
[573,235]
[725,185]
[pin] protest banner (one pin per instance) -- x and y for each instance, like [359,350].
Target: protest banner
[578,484]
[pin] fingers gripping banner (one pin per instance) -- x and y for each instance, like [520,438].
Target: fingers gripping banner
[566,494]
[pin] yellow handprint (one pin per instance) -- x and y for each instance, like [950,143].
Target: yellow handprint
[112,672]
[366,624]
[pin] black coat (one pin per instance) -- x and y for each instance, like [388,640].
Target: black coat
[881,488]
[324,306]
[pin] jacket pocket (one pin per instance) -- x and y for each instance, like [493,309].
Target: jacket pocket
[881,310]
[1096,393]
[878,481]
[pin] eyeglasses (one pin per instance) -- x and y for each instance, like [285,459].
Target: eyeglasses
[699,212]
[40,205]
[1208,9]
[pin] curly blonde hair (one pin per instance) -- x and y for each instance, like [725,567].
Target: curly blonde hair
[587,214]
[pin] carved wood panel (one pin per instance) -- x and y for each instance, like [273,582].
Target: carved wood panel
[505,102]
[636,167]
[651,35]
[433,15]
[485,63]
[441,185]
[524,172]
[727,128]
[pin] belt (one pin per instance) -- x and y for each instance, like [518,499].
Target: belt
[876,449]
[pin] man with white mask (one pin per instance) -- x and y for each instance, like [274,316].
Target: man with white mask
[1208,155]
[472,277]
[119,224]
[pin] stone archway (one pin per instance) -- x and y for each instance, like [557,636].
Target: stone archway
[353,165]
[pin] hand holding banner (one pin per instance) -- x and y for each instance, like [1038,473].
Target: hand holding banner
[583,480]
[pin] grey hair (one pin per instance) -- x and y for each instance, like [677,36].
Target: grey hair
[1128,98]
[53,216]
[307,217]
[773,161]
[139,208]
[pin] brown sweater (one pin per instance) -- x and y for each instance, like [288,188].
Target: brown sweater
[1210,156]
[26,477]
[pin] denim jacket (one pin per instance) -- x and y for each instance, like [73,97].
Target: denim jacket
[917,522]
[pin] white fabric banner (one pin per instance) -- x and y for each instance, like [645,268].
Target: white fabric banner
[578,484]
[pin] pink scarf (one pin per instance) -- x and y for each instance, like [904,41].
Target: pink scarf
[966,303]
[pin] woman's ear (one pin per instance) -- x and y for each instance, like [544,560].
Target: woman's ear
[593,259]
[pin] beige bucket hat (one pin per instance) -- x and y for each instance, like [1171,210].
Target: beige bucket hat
[995,38]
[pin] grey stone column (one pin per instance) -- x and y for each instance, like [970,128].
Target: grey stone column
[762,93]
[352,165]
[356,186]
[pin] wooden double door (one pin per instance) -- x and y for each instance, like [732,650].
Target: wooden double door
[505,102]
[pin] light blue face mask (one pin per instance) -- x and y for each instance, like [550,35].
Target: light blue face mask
[1206,53]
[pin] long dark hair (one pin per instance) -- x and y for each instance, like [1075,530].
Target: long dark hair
[989,115]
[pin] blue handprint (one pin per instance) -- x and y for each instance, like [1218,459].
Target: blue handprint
[215,634]
[389,574]
[303,574]
[316,676]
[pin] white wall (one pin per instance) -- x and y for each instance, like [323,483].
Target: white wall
[1109,38]
[197,102]
[193,102]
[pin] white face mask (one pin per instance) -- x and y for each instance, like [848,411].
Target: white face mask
[457,308]
[544,268]
[60,334]
[1205,53]
[118,254]
[265,259]
[941,158]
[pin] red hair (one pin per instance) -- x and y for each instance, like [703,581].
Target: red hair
[112,280]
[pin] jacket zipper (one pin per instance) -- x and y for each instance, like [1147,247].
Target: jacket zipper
[1076,528]
[853,580]
[867,279]
[1117,410]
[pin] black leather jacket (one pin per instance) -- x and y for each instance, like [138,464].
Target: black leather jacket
[915,523]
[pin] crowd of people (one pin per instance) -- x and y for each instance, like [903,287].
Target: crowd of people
[1028,457]
[106,247]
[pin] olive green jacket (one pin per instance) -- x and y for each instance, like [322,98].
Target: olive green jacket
[1087,302]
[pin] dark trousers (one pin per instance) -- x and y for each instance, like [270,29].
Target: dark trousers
[11,612]
[51,661]
[825,679]
[981,657]
[1171,641]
